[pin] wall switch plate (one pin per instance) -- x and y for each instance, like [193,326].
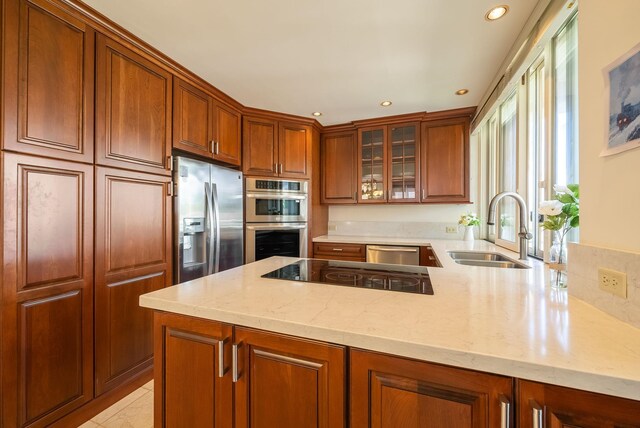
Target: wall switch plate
[451,229]
[613,282]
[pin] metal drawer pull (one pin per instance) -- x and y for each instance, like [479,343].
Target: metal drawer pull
[336,249]
[537,414]
[431,258]
[504,411]
[394,249]
[235,374]
[221,368]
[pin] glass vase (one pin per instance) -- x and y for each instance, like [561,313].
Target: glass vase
[558,261]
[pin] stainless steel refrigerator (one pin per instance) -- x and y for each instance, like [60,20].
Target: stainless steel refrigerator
[208,216]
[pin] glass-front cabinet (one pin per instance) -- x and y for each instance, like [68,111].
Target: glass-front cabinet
[403,166]
[372,161]
[388,163]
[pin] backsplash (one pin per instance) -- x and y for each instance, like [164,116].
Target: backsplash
[584,261]
[396,229]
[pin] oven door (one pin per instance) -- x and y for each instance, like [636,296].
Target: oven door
[274,207]
[275,239]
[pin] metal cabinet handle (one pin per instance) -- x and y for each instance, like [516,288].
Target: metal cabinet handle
[281,168]
[355,195]
[235,373]
[170,188]
[431,258]
[394,249]
[537,414]
[505,406]
[221,367]
[423,197]
[213,146]
[336,249]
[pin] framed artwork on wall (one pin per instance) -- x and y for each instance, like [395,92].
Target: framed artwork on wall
[622,79]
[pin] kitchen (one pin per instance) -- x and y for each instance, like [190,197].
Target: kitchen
[74,339]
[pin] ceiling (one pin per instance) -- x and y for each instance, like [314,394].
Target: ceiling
[339,57]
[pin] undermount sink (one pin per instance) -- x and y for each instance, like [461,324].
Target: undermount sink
[487,259]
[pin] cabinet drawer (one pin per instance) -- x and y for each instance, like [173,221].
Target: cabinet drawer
[339,251]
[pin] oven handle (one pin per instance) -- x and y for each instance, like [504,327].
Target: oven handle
[276,226]
[289,197]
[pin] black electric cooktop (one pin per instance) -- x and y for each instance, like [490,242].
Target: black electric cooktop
[408,279]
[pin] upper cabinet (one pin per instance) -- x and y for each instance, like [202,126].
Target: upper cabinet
[338,156]
[445,161]
[133,110]
[204,126]
[48,82]
[422,161]
[276,149]
[388,163]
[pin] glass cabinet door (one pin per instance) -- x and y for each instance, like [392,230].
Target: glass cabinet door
[403,167]
[372,165]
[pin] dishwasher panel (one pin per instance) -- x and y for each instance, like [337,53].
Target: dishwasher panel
[393,255]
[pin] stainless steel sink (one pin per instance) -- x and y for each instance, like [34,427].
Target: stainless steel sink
[487,259]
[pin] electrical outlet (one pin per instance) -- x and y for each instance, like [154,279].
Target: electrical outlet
[451,229]
[613,282]
[332,227]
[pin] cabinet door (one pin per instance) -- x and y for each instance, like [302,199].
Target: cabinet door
[288,382]
[338,154]
[372,157]
[47,289]
[403,166]
[133,110]
[192,112]
[259,147]
[558,407]
[445,161]
[388,391]
[192,381]
[48,82]
[226,123]
[294,150]
[133,257]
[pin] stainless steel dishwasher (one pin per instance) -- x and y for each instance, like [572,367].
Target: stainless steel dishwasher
[397,255]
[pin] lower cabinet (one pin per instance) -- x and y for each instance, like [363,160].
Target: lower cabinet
[542,405]
[193,382]
[280,381]
[212,374]
[388,391]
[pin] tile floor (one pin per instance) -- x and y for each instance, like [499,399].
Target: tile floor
[133,411]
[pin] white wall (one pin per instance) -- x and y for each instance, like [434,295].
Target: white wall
[610,186]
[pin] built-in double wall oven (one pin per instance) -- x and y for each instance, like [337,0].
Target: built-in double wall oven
[276,218]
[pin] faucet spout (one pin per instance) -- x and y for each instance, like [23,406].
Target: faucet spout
[524,234]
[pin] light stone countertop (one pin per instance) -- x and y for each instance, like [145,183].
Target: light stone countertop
[505,321]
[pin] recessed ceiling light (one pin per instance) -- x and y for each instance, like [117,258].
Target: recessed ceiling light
[497,12]
[316,113]
[386,103]
[462,91]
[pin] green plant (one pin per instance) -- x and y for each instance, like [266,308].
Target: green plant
[470,219]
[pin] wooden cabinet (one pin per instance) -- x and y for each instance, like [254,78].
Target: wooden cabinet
[276,149]
[388,391]
[48,82]
[428,257]
[556,406]
[204,126]
[133,110]
[445,161]
[47,289]
[388,167]
[193,385]
[339,157]
[372,178]
[133,257]
[288,382]
[332,251]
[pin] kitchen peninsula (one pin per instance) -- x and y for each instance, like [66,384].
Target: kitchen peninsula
[489,345]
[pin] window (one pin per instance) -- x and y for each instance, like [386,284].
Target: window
[543,114]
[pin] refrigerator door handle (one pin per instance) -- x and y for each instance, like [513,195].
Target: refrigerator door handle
[216,214]
[209,221]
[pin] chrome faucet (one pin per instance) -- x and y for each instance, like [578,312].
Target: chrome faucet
[524,234]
